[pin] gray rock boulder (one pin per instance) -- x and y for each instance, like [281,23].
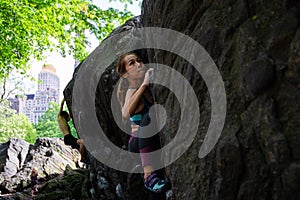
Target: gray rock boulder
[255,45]
[49,155]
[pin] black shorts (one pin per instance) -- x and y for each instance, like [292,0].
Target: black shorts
[71,141]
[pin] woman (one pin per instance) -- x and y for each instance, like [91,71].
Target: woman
[135,101]
[34,181]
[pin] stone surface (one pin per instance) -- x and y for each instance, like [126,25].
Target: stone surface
[49,156]
[255,45]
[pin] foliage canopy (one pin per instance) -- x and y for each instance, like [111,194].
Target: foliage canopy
[28,28]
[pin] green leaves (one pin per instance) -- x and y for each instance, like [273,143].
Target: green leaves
[14,125]
[28,28]
[47,125]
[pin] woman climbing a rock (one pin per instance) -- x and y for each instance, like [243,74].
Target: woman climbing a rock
[136,100]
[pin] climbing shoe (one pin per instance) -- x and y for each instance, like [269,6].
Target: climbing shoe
[157,184]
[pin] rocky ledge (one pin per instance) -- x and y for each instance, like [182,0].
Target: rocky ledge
[61,174]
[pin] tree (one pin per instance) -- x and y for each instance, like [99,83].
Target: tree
[47,125]
[15,84]
[14,125]
[28,28]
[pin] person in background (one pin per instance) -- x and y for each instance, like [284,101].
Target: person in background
[63,118]
[34,181]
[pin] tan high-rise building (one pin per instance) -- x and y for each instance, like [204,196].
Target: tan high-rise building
[47,91]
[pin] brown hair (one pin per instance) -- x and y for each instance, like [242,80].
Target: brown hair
[123,84]
[121,64]
[34,171]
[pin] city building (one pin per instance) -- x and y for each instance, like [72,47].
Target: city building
[35,105]
[18,103]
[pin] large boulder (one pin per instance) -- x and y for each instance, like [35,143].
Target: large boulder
[99,174]
[255,46]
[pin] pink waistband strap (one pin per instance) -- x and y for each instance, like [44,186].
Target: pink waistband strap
[133,134]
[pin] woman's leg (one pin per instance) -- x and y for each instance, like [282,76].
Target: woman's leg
[148,145]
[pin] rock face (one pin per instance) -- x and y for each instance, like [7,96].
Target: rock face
[255,46]
[49,156]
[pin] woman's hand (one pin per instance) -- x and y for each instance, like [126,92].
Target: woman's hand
[132,99]
[147,76]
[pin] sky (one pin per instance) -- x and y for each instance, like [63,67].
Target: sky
[65,66]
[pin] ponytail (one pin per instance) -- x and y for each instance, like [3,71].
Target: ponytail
[121,91]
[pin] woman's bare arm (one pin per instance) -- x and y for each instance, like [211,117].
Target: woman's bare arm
[132,99]
[61,106]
